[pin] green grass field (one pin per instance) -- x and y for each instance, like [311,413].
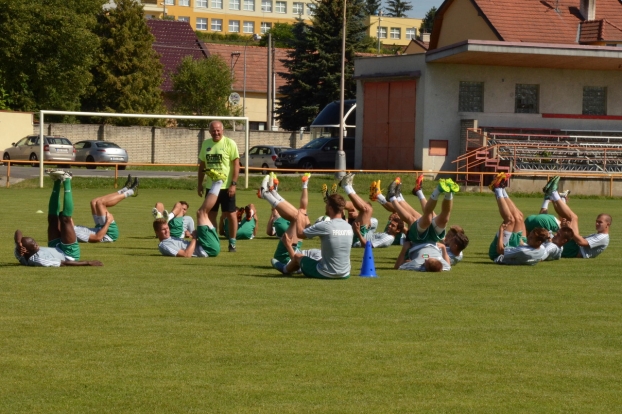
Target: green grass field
[148,333]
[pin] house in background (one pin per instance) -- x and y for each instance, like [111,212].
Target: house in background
[502,63]
[393,30]
[175,40]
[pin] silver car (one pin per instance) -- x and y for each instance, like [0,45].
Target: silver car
[263,156]
[55,148]
[100,152]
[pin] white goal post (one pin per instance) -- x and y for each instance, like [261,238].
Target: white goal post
[42,114]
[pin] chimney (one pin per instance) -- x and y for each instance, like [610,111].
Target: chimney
[425,37]
[588,9]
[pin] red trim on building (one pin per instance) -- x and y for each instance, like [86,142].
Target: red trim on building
[577,116]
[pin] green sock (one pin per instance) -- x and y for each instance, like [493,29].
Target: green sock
[232,241]
[68,199]
[54,205]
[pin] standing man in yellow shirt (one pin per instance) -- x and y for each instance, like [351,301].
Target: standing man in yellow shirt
[220,161]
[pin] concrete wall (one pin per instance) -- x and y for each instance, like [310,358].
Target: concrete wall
[165,145]
[584,186]
[13,127]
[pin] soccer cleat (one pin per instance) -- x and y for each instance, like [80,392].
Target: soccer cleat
[134,187]
[347,180]
[398,190]
[305,177]
[392,187]
[128,182]
[443,187]
[453,187]
[278,265]
[156,213]
[273,184]
[55,174]
[232,248]
[418,184]
[374,190]
[264,186]
[216,175]
[551,186]
[324,192]
[333,189]
[564,195]
[496,183]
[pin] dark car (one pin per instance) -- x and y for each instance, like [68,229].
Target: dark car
[319,153]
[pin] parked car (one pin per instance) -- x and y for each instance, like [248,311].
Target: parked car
[99,152]
[55,148]
[263,156]
[319,153]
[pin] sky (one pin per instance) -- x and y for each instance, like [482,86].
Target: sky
[420,7]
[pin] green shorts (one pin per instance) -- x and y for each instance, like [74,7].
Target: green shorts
[71,250]
[281,254]
[245,229]
[176,226]
[280,226]
[208,239]
[546,221]
[309,269]
[571,250]
[364,231]
[428,236]
[514,241]
[113,231]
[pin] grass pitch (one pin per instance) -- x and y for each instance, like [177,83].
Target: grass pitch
[147,333]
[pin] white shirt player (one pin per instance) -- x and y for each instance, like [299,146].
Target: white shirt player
[172,246]
[553,251]
[521,255]
[598,243]
[419,253]
[45,257]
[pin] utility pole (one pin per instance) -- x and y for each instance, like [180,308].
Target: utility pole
[269,94]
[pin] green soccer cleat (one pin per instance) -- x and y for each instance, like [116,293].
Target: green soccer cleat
[453,187]
[551,186]
[443,187]
[216,175]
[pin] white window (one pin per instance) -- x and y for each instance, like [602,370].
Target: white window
[281,7]
[169,2]
[298,8]
[249,27]
[183,19]
[249,5]
[200,3]
[396,33]
[201,23]
[382,32]
[265,27]
[411,33]
[234,26]
[216,4]
[184,3]
[234,4]
[266,6]
[216,25]
[310,8]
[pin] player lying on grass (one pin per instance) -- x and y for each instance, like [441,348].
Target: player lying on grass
[205,241]
[424,250]
[509,246]
[364,225]
[558,236]
[335,238]
[179,223]
[247,223]
[63,248]
[284,219]
[581,247]
[106,229]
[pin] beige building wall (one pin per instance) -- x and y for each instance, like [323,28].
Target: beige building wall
[400,25]
[13,127]
[461,22]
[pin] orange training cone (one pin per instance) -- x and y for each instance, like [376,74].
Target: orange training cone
[368,268]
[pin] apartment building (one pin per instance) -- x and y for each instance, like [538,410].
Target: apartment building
[393,30]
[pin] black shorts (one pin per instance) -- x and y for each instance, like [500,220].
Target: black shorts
[228,203]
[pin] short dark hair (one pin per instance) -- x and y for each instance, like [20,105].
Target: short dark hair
[185,203]
[434,265]
[461,240]
[158,223]
[336,202]
[566,232]
[541,235]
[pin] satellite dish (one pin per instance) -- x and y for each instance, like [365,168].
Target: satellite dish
[234,98]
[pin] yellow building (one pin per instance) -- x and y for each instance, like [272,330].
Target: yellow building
[245,17]
[393,30]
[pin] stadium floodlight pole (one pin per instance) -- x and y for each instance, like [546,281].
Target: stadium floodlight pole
[255,37]
[340,161]
[42,114]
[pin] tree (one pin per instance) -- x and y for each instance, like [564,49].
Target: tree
[428,21]
[372,7]
[398,8]
[128,73]
[202,87]
[315,61]
[47,49]
[282,35]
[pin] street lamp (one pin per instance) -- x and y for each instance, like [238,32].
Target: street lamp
[255,37]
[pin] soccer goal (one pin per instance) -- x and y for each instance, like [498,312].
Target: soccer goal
[241,119]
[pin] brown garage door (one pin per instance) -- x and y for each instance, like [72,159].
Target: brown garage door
[389,125]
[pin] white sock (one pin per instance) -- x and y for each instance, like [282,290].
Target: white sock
[435,194]
[392,199]
[555,196]
[276,195]
[545,203]
[348,189]
[381,199]
[449,196]
[215,189]
[128,193]
[499,193]
[420,195]
[269,197]
[305,184]
[505,193]
[123,190]
[400,197]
